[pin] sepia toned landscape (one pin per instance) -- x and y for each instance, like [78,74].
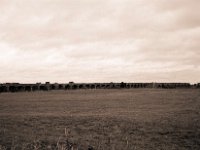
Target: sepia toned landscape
[99,75]
[101,119]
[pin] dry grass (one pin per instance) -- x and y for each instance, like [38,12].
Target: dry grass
[101,119]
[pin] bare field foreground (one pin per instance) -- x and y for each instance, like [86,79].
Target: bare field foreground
[167,119]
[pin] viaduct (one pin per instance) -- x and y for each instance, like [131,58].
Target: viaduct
[17,87]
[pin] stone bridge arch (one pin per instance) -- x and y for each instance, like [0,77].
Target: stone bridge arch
[35,88]
[4,88]
[28,88]
[67,87]
[13,88]
[93,86]
[74,87]
[61,87]
[81,86]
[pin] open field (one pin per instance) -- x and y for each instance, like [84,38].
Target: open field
[103,119]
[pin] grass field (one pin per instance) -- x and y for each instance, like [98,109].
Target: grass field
[101,119]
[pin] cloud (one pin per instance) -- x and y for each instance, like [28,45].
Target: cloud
[99,40]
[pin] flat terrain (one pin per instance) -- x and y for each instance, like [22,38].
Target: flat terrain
[103,119]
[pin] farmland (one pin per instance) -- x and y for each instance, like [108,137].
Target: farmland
[101,119]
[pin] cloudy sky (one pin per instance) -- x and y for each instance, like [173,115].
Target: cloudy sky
[100,40]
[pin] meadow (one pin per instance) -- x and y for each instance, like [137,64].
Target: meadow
[112,119]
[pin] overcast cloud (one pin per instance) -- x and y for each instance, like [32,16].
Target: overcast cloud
[100,40]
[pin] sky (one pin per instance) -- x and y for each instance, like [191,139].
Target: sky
[99,41]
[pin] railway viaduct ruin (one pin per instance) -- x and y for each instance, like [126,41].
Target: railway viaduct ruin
[17,87]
